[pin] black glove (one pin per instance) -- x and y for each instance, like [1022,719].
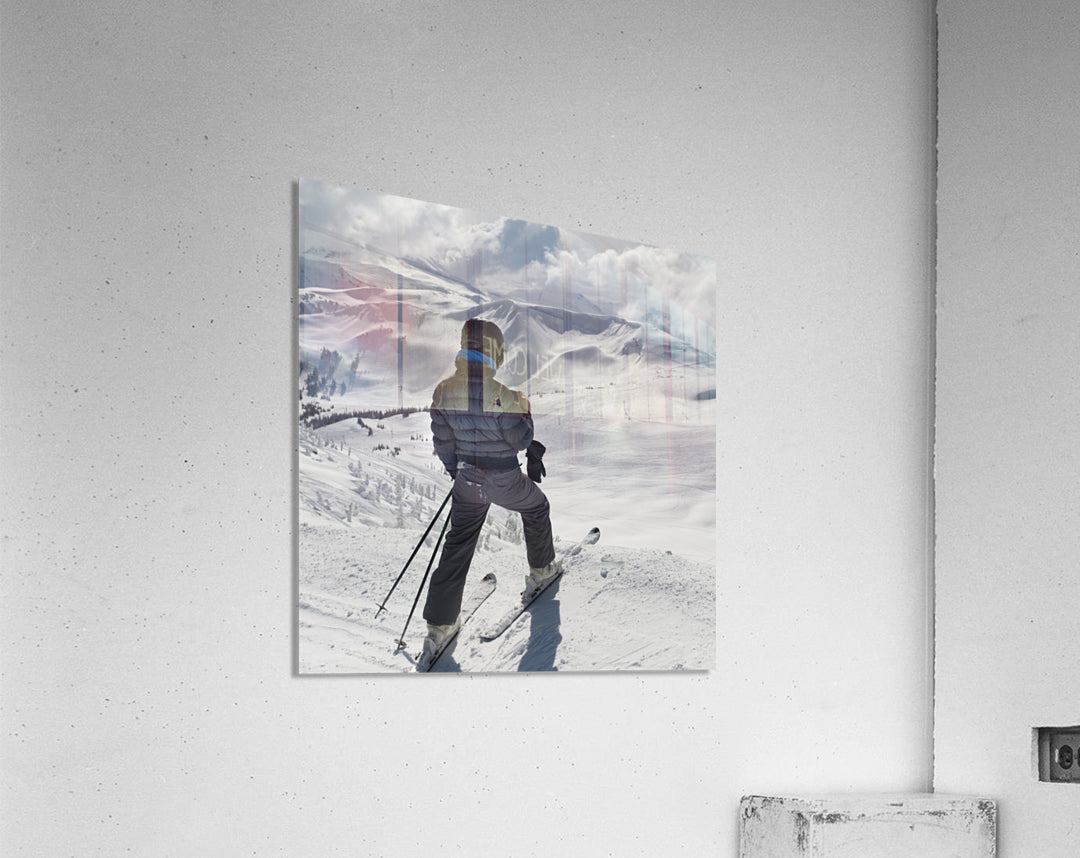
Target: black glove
[534,465]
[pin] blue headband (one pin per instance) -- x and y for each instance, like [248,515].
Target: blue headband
[474,356]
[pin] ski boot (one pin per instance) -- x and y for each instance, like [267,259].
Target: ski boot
[436,639]
[537,578]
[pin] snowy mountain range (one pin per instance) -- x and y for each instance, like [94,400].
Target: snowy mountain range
[403,319]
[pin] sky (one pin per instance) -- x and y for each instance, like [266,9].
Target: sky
[490,250]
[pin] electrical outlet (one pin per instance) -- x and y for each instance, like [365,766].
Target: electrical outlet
[1059,754]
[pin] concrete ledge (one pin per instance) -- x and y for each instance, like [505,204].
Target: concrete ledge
[868,826]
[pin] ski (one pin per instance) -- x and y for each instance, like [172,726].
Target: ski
[527,598]
[468,608]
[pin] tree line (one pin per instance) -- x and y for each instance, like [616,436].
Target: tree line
[314,416]
[322,375]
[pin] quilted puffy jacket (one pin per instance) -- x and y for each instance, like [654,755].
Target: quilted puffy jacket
[476,419]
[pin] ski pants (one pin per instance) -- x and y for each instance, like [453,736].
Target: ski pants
[475,489]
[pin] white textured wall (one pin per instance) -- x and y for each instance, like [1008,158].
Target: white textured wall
[149,152]
[1008,436]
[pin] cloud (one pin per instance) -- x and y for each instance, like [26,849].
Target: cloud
[618,276]
[628,279]
[444,237]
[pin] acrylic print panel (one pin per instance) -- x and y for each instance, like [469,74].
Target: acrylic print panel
[612,343]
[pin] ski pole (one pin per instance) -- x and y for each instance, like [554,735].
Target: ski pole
[382,607]
[401,641]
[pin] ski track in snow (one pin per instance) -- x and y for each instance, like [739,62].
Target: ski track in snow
[363,507]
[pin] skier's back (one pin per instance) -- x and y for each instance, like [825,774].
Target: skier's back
[479,426]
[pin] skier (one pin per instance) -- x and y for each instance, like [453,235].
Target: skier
[479,427]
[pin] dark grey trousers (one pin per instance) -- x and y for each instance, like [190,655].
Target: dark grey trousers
[475,489]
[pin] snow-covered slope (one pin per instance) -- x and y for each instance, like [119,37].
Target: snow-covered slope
[641,599]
